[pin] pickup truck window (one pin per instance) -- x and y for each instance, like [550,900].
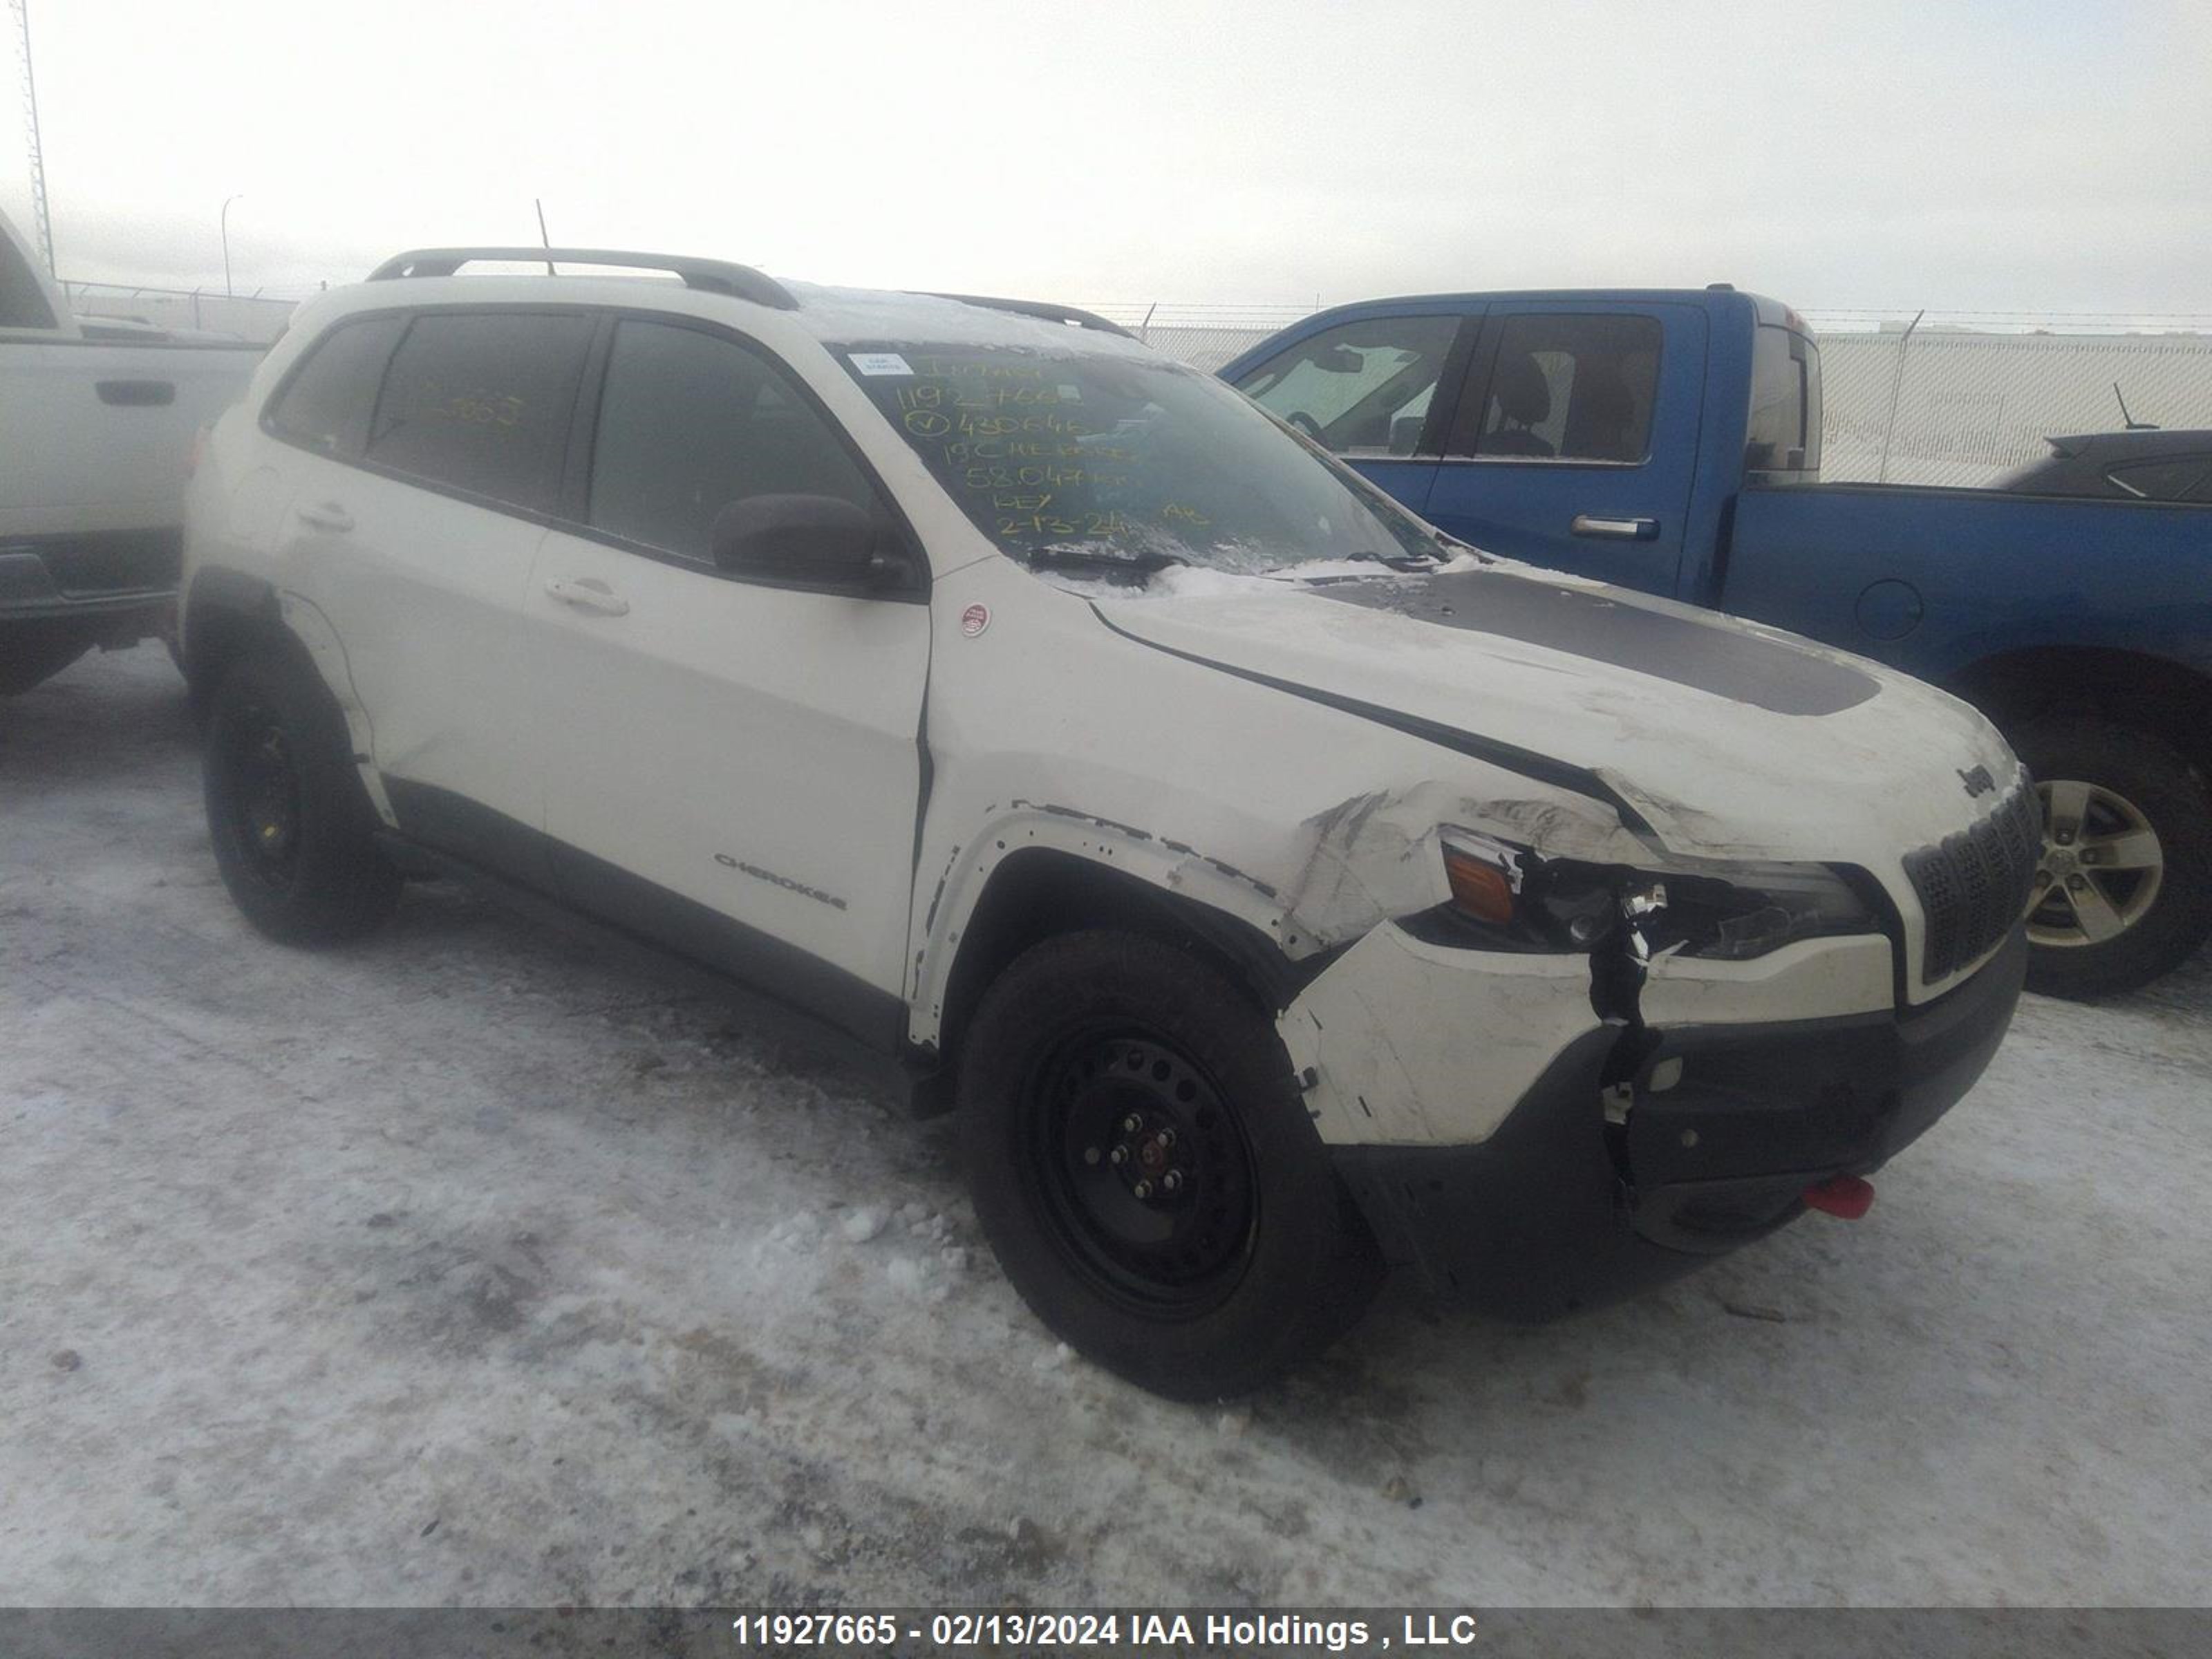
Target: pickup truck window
[23,298]
[326,403]
[1124,455]
[689,423]
[1784,431]
[480,400]
[1572,388]
[1361,388]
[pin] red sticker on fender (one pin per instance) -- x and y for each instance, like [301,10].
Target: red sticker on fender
[974,619]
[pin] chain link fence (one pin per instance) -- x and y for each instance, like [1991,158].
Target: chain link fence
[1204,336]
[1934,400]
[1955,398]
[258,317]
[1952,398]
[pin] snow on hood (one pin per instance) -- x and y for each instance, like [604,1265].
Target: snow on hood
[1187,581]
[1732,739]
[1195,581]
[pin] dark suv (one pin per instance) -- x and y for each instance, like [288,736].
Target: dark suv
[2139,465]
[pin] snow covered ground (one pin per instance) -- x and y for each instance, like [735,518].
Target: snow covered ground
[463,1266]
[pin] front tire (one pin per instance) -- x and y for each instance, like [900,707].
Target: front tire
[1143,1166]
[293,831]
[2123,892]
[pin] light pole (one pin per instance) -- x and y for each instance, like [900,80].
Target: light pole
[224,219]
[40,217]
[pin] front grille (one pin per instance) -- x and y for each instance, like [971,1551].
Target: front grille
[1973,886]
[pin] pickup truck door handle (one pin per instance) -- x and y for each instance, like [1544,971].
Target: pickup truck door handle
[136,394]
[1625,530]
[586,594]
[328,516]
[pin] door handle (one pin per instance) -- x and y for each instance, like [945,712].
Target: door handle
[136,394]
[329,516]
[586,594]
[1623,529]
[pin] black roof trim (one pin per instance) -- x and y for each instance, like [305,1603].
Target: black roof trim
[1039,309]
[708,276]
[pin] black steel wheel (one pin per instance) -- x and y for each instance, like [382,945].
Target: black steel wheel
[1145,1171]
[294,835]
[266,799]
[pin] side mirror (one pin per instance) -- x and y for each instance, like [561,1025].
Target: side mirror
[804,538]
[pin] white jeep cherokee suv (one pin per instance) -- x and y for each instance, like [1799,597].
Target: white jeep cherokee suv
[1279,890]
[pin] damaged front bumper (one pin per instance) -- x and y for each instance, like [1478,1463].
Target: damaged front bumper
[1584,1193]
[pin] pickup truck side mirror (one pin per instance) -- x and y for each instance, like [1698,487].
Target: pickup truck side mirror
[818,540]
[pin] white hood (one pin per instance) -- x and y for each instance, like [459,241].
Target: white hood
[1730,739]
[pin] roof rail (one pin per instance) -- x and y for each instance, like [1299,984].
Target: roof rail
[1050,314]
[709,276]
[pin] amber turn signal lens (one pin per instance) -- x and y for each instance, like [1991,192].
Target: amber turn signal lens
[1479,888]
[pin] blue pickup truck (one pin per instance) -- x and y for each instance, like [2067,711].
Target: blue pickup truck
[1669,441]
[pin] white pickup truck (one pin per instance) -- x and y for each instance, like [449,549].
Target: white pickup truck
[97,422]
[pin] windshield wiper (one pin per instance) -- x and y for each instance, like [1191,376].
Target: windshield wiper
[1405,561]
[1135,564]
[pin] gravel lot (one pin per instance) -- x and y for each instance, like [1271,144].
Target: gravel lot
[462,1265]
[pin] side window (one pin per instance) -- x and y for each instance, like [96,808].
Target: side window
[1359,388]
[480,400]
[2169,479]
[327,402]
[22,297]
[1782,431]
[689,423]
[1572,388]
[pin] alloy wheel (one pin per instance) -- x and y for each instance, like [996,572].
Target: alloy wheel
[2102,868]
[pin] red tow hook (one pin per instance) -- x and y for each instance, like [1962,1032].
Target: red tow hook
[1846,1197]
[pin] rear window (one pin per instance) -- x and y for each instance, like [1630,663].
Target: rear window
[2170,478]
[482,400]
[327,404]
[1783,433]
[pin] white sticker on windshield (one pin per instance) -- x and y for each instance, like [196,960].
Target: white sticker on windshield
[879,363]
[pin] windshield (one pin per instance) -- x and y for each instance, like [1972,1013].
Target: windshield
[1125,459]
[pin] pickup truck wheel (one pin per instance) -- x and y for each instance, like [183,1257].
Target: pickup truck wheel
[1143,1166]
[292,833]
[2123,891]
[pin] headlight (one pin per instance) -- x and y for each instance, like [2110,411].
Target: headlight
[1510,898]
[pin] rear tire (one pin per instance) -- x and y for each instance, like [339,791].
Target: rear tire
[2138,824]
[1143,1165]
[293,831]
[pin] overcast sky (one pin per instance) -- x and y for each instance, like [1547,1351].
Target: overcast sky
[2028,155]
